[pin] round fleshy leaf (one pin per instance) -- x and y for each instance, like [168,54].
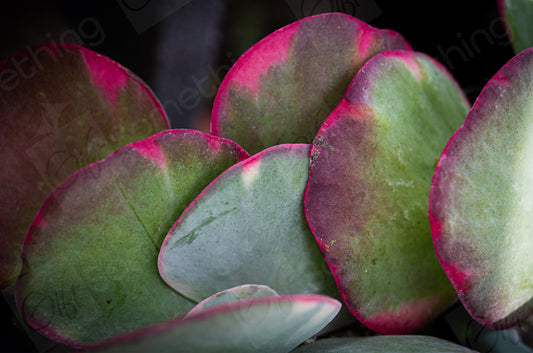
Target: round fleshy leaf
[272,324]
[366,201]
[481,200]
[380,344]
[517,15]
[245,291]
[248,226]
[282,89]
[61,108]
[90,258]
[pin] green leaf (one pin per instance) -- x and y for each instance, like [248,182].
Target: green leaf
[281,90]
[90,259]
[274,324]
[366,201]
[61,107]
[248,226]
[517,15]
[381,344]
[481,200]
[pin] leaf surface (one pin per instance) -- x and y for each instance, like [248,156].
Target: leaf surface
[90,259]
[366,201]
[274,324]
[481,200]
[245,291]
[61,107]
[248,226]
[517,16]
[281,90]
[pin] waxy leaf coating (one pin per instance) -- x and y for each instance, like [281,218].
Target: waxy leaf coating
[248,226]
[61,107]
[274,324]
[383,344]
[282,89]
[366,201]
[90,258]
[481,200]
[242,292]
[517,15]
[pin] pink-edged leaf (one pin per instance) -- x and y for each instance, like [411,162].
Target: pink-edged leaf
[268,324]
[481,200]
[90,258]
[61,107]
[517,15]
[282,89]
[248,226]
[366,201]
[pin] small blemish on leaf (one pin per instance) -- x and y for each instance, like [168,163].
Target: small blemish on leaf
[320,141]
[194,233]
[108,301]
[314,157]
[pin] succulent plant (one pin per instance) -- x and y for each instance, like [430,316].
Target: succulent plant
[129,236]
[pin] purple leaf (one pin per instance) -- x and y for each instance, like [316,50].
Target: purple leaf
[281,90]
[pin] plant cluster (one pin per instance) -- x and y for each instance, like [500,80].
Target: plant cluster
[346,177]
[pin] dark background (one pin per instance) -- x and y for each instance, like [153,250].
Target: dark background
[182,45]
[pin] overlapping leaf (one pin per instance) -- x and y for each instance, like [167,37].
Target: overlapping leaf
[366,201]
[282,89]
[61,108]
[248,226]
[481,200]
[90,259]
[273,324]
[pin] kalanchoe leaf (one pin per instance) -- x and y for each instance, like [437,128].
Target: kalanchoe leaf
[481,200]
[380,344]
[366,199]
[61,108]
[282,89]
[248,226]
[517,15]
[275,324]
[245,291]
[90,258]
